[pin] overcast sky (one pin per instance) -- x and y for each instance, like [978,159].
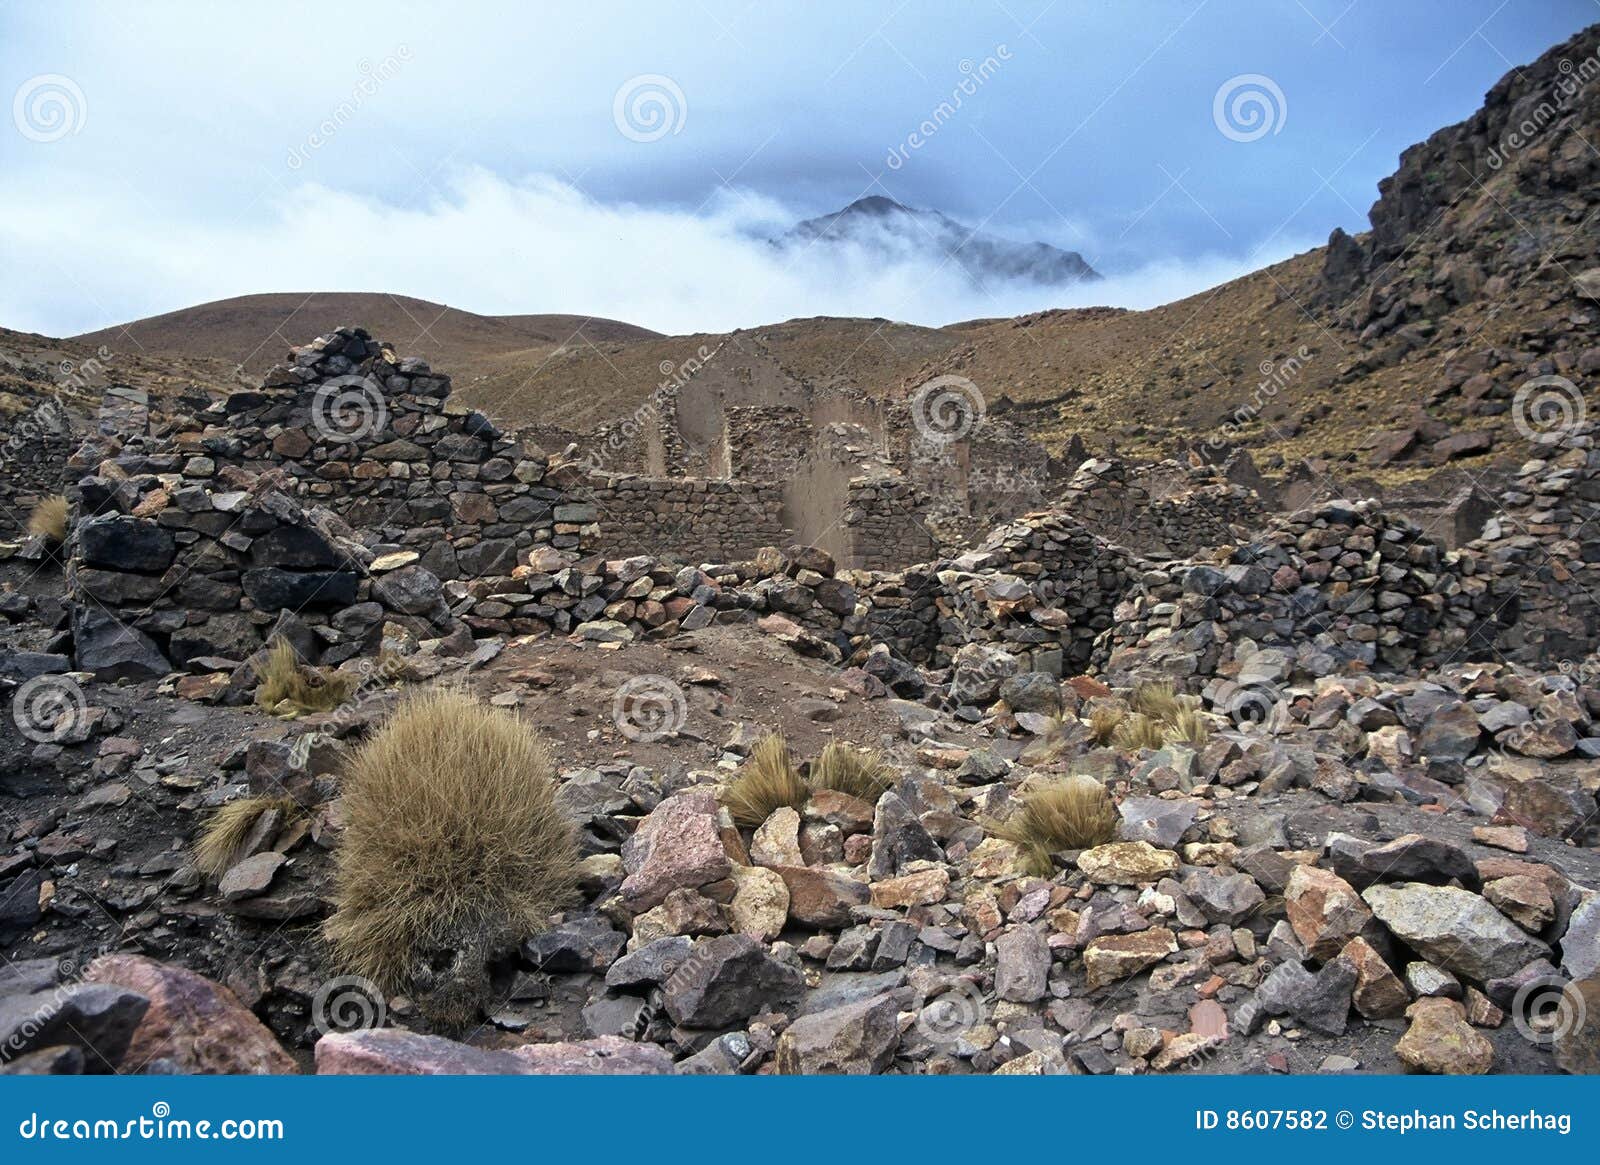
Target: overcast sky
[624,159]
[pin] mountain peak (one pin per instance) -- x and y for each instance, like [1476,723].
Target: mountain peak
[881,225]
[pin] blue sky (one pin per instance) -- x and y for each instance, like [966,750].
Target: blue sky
[167,154]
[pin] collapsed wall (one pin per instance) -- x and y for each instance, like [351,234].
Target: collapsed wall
[1164,509]
[1343,586]
[1541,553]
[376,439]
[167,574]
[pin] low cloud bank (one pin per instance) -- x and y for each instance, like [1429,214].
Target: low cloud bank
[92,258]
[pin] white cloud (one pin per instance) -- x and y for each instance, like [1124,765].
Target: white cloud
[91,258]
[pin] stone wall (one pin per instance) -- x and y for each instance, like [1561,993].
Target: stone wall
[1328,589]
[1164,509]
[1539,558]
[375,438]
[34,448]
[766,444]
[164,572]
[884,524]
[688,520]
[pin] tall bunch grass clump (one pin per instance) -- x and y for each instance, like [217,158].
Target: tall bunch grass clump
[453,851]
[222,839]
[859,772]
[284,684]
[1073,813]
[767,781]
[48,519]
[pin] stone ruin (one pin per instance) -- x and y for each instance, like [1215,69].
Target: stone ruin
[351,494]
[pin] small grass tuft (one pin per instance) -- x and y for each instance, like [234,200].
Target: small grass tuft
[221,842]
[1103,723]
[1189,726]
[282,677]
[1074,813]
[767,782]
[1156,699]
[1137,731]
[49,519]
[453,851]
[860,772]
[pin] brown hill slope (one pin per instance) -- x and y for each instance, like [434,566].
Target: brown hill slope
[256,330]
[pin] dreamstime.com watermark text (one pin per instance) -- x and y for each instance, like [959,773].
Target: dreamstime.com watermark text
[159,1125]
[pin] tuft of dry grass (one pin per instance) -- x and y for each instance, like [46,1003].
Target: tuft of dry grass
[1156,699]
[1137,731]
[222,838]
[767,782]
[453,850]
[49,519]
[1103,723]
[282,677]
[1074,813]
[860,772]
[1189,726]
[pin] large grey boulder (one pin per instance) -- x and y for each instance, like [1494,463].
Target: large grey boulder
[1454,928]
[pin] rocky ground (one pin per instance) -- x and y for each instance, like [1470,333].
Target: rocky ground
[1330,890]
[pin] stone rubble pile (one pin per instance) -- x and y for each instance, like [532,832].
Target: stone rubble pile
[1339,586]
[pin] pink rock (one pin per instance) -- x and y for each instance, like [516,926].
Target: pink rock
[677,847]
[395,1052]
[197,1025]
[602,1056]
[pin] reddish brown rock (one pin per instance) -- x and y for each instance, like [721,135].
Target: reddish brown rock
[822,898]
[198,1026]
[1379,992]
[922,888]
[1324,909]
[677,847]
[1116,956]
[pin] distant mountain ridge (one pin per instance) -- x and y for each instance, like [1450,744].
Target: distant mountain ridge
[883,225]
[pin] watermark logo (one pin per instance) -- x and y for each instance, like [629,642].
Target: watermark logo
[349,408]
[946,1019]
[1276,375]
[49,107]
[974,74]
[1571,80]
[649,107]
[1548,409]
[1251,705]
[49,709]
[373,77]
[946,409]
[350,1003]
[1547,1009]
[648,708]
[1248,107]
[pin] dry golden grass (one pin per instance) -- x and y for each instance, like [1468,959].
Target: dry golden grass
[1189,726]
[860,772]
[767,782]
[1139,731]
[1103,723]
[1074,813]
[49,519]
[453,843]
[282,677]
[1155,699]
[222,838]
